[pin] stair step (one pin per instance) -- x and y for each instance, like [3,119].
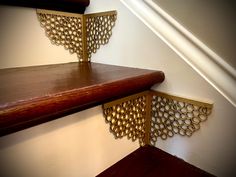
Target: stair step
[149,161]
[77,6]
[33,95]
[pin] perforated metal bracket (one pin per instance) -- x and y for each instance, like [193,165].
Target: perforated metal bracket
[148,115]
[82,34]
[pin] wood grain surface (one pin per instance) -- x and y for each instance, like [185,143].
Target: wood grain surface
[149,161]
[77,6]
[33,95]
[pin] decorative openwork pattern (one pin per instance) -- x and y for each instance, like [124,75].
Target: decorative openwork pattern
[99,30]
[63,29]
[127,117]
[175,115]
[149,115]
[78,33]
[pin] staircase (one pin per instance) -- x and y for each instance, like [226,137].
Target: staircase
[81,86]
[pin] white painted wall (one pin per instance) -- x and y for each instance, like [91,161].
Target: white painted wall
[60,148]
[23,41]
[212,21]
[76,145]
[198,55]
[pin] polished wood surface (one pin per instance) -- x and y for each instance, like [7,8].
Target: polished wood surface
[77,6]
[150,161]
[33,95]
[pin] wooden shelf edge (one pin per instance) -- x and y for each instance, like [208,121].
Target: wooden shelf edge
[76,6]
[18,115]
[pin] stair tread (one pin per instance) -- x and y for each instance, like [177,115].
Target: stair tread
[33,95]
[76,6]
[149,161]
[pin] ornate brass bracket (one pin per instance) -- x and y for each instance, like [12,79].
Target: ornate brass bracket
[151,114]
[79,33]
[128,117]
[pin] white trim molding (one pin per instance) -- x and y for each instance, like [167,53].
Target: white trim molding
[202,59]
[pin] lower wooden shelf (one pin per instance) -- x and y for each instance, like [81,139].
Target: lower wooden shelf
[149,161]
[33,95]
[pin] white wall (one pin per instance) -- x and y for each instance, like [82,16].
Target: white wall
[212,21]
[54,148]
[76,145]
[23,41]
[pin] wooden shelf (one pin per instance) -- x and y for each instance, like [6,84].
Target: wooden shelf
[149,161]
[33,95]
[77,6]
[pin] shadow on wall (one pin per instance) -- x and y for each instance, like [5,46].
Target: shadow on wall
[46,128]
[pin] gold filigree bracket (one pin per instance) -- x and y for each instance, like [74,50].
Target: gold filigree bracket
[82,34]
[127,117]
[148,115]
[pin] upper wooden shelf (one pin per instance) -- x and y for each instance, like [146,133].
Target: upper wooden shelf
[33,95]
[77,6]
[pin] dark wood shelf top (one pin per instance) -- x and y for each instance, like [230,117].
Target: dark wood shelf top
[76,6]
[33,95]
[149,161]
